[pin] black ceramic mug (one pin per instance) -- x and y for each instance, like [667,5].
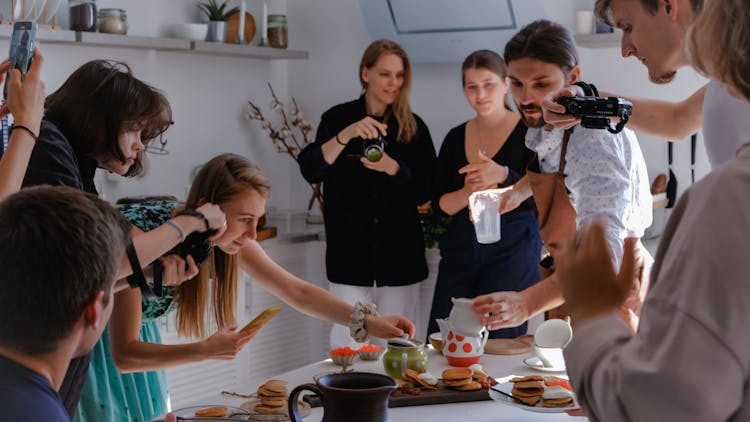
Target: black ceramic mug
[351,396]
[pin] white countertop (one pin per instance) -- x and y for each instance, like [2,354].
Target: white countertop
[482,411]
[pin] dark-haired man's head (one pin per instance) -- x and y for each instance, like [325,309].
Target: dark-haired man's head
[60,249]
[541,59]
[653,31]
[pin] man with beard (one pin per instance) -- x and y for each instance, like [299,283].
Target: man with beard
[654,32]
[579,174]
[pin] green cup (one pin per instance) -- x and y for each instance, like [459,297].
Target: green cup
[399,358]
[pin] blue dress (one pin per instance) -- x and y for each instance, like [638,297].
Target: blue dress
[107,394]
[469,268]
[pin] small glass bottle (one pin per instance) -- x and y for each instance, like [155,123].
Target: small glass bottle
[113,21]
[278,36]
[83,15]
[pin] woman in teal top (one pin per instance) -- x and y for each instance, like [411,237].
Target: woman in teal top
[126,381]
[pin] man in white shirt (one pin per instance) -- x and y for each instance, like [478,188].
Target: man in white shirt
[604,174]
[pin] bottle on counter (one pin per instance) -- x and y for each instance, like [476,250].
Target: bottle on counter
[278,36]
[113,21]
[83,15]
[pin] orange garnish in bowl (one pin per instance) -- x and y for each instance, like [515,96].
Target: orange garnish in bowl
[370,348]
[343,351]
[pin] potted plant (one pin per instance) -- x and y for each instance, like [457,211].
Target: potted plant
[217,19]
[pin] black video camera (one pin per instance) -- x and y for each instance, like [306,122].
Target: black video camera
[596,111]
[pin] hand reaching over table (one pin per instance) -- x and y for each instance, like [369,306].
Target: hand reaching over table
[502,309]
[389,326]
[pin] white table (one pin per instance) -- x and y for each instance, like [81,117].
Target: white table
[481,411]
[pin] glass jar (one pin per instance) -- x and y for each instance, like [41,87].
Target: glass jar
[278,36]
[83,15]
[113,21]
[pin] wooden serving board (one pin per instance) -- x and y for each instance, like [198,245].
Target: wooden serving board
[508,346]
[440,396]
[426,397]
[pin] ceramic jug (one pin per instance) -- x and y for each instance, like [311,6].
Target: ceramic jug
[398,358]
[463,319]
[351,396]
[459,349]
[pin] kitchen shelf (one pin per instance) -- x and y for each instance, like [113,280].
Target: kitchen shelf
[96,39]
[250,51]
[610,40]
[49,36]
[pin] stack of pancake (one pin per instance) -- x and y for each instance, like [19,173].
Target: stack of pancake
[273,397]
[532,389]
[460,379]
[528,389]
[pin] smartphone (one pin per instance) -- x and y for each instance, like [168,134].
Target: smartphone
[263,317]
[21,49]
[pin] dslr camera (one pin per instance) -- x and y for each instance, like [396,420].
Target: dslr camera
[373,148]
[595,112]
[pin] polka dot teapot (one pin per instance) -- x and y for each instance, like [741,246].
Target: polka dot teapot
[463,334]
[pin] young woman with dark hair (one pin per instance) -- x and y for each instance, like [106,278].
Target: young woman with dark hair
[103,116]
[485,152]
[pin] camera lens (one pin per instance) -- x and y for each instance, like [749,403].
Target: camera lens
[572,107]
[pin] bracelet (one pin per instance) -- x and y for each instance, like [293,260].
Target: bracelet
[195,213]
[33,135]
[339,140]
[357,328]
[178,228]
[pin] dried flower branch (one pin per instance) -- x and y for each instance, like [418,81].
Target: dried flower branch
[284,134]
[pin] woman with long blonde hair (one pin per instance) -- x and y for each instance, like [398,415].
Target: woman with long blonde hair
[375,246]
[127,379]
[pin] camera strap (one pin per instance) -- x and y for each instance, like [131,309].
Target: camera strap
[138,279]
[589,90]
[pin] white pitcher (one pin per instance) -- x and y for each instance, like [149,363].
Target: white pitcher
[463,319]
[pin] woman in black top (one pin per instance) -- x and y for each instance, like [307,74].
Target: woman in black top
[375,246]
[486,152]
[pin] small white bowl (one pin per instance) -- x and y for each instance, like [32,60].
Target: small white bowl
[191,31]
[344,360]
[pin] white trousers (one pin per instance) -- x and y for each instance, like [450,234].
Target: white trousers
[400,300]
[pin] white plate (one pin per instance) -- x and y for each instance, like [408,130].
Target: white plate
[189,412]
[534,363]
[507,387]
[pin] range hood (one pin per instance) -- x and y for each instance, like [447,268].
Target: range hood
[448,30]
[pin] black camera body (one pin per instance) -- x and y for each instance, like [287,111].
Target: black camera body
[596,111]
[596,106]
[195,245]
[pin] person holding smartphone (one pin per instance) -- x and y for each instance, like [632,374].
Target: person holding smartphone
[127,380]
[103,116]
[25,104]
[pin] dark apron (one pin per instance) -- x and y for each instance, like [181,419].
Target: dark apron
[557,224]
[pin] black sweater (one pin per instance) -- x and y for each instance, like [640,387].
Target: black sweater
[373,232]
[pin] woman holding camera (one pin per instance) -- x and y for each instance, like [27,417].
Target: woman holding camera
[102,116]
[127,380]
[375,246]
[486,152]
